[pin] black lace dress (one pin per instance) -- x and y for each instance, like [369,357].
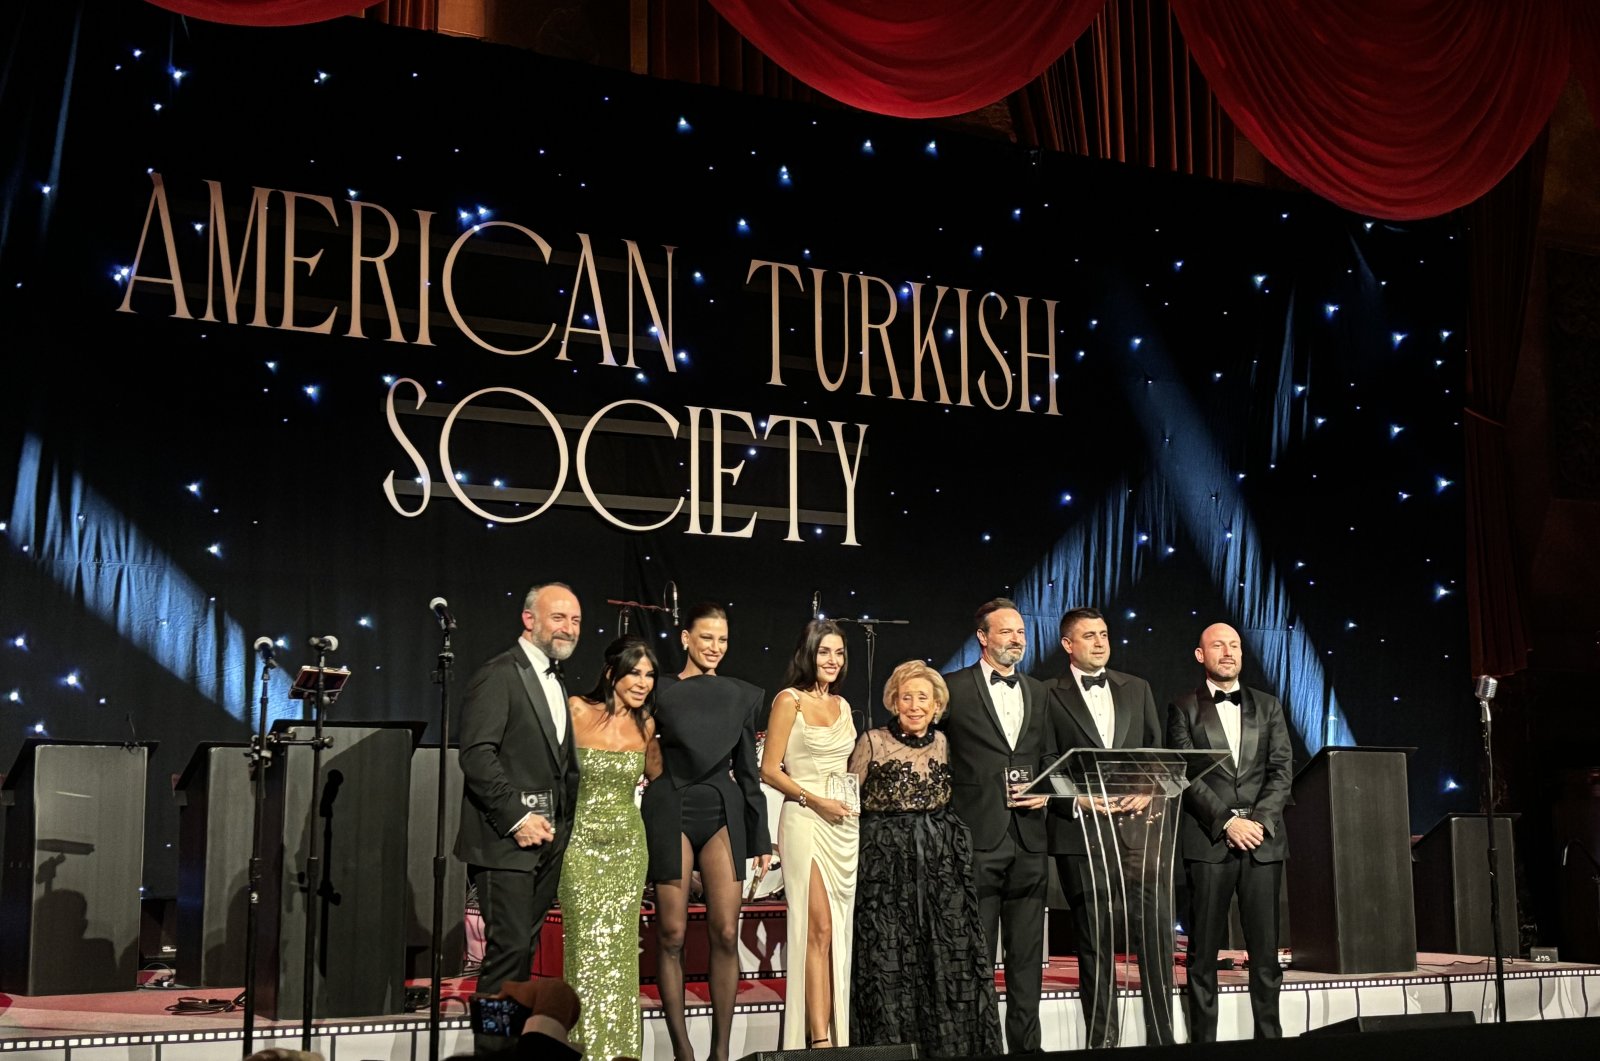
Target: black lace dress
[921,971]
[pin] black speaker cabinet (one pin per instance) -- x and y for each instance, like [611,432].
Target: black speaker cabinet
[362,817]
[1395,1022]
[74,858]
[1451,875]
[216,811]
[423,836]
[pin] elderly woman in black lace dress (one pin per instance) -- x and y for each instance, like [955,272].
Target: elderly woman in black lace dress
[922,972]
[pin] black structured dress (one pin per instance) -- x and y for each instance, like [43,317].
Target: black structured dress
[707,729]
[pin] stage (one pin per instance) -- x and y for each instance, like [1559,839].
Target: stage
[134,1025]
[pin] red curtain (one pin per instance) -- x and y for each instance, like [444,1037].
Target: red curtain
[1391,108]
[1586,50]
[265,12]
[912,58]
[1128,91]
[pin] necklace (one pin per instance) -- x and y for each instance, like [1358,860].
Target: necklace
[908,740]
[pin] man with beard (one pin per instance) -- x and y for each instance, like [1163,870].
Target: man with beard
[1100,844]
[521,771]
[1233,840]
[995,726]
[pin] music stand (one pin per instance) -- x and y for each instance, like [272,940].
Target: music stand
[1128,807]
[305,684]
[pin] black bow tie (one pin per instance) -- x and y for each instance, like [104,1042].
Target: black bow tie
[1218,696]
[995,678]
[555,669]
[1091,680]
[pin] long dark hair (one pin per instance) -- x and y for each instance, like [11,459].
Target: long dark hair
[622,655]
[802,673]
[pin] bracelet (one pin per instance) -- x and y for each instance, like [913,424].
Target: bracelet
[802,799]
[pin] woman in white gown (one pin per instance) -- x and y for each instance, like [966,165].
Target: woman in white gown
[810,736]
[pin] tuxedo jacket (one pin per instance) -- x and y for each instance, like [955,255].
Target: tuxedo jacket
[1136,724]
[1260,780]
[509,748]
[980,757]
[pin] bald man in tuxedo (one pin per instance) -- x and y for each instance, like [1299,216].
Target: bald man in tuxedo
[1233,841]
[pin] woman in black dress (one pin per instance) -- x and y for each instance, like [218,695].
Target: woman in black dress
[922,971]
[696,814]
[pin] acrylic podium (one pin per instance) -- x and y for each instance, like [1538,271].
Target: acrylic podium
[215,804]
[1129,810]
[74,858]
[363,910]
[1350,899]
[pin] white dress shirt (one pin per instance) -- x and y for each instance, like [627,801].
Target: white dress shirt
[554,695]
[1007,703]
[1228,712]
[1101,707]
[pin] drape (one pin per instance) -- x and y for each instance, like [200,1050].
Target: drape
[1502,236]
[912,58]
[1128,91]
[688,41]
[1398,109]
[265,12]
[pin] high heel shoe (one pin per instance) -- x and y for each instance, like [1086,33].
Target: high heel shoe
[825,1041]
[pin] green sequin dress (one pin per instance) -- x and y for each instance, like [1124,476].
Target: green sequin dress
[602,882]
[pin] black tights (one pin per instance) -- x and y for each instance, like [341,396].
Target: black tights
[724,898]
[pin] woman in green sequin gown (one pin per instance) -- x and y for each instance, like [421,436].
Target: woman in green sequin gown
[602,879]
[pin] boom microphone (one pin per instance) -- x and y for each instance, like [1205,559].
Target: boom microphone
[441,611]
[265,649]
[816,604]
[328,643]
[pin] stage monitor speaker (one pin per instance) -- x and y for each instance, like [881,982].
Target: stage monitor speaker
[887,1052]
[158,930]
[1395,1022]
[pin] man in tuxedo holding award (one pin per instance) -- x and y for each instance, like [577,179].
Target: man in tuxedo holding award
[1233,840]
[521,786]
[995,726]
[1100,843]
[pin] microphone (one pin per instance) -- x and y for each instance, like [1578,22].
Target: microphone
[1485,688]
[1564,849]
[134,743]
[264,649]
[673,586]
[816,604]
[441,612]
[329,643]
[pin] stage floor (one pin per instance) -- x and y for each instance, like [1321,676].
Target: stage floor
[135,1025]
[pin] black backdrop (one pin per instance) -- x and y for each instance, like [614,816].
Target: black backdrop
[1256,419]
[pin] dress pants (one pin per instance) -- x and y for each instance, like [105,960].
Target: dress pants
[1211,886]
[1120,903]
[513,904]
[1011,888]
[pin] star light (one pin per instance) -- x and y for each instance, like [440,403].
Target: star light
[1440,484]
[1397,338]
[932,148]
[1066,499]
[684,126]
[20,641]
[1404,496]
[322,75]
[311,391]
[366,621]
[72,680]
[15,696]
[1394,430]
[158,106]
[38,727]
[1177,266]
[977,252]
[194,488]
[1441,592]
[1136,342]
[743,226]
[215,549]
[1016,214]
[1259,279]
[1450,784]
[783,176]
[1444,334]
[177,75]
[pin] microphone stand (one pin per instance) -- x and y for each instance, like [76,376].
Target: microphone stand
[441,678]
[624,606]
[314,882]
[869,627]
[260,757]
[1486,716]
